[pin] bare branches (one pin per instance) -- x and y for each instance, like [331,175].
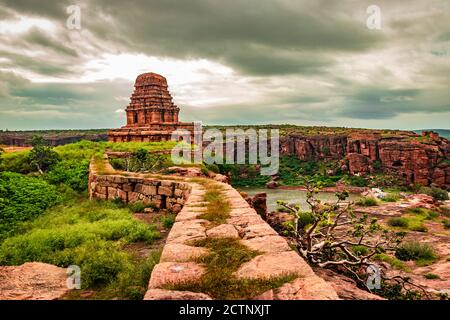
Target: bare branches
[332,235]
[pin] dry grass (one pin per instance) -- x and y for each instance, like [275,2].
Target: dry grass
[225,257]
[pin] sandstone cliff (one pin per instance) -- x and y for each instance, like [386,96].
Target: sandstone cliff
[416,159]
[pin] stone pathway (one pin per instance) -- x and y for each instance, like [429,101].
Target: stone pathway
[177,264]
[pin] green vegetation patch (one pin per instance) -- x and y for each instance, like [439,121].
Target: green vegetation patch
[436,193]
[423,253]
[21,199]
[414,219]
[398,222]
[393,261]
[225,257]
[431,276]
[218,208]
[90,234]
[367,202]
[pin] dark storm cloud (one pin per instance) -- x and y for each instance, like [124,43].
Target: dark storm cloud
[38,37]
[306,59]
[39,65]
[384,103]
[26,105]
[43,8]
[256,36]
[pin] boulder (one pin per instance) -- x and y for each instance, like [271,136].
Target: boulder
[33,281]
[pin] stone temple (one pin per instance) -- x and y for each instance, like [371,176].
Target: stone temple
[151,114]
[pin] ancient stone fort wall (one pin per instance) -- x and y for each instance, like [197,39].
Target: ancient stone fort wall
[178,260]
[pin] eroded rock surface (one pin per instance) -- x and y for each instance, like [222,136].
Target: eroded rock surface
[32,281]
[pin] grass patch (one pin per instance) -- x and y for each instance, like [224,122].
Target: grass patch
[415,218]
[431,276]
[367,202]
[391,197]
[226,256]
[167,221]
[217,208]
[398,222]
[446,223]
[393,261]
[139,206]
[422,253]
[22,199]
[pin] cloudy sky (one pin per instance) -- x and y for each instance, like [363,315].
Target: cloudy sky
[304,62]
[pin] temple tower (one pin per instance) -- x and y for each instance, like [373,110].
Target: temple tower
[151,114]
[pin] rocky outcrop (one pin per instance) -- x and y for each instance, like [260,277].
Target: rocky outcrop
[259,203]
[33,281]
[345,287]
[413,158]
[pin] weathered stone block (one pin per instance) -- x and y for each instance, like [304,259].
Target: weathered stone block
[127,187]
[178,192]
[148,190]
[166,191]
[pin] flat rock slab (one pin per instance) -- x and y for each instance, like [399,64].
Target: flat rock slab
[189,214]
[244,220]
[177,252]
[184,231]
[274,265]
[32,281]
[309,288]
[223,231]
[257,230]
[166,273]
[161,294]
[267,244]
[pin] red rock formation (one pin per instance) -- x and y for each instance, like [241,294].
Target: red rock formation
[151,114]
[416,159]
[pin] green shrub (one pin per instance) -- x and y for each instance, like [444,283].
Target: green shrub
[133,284]
[16,162]
[168,221]
[422,253]
[356,181]
[213,167]
[137,207]
[305,219]
[418,228]
[436,193]
[398,222]
[73,173]
[431,276]
[446,223]
[393,261]
[89,234]
[21,199]
[391,197]
[367,202]
[360,250]
[100,262]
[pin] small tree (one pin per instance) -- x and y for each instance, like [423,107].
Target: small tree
[334,236]
[42,156]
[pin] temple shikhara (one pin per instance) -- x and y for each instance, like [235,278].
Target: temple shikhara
[151,114]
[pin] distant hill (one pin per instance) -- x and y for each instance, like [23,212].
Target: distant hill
[442,132]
